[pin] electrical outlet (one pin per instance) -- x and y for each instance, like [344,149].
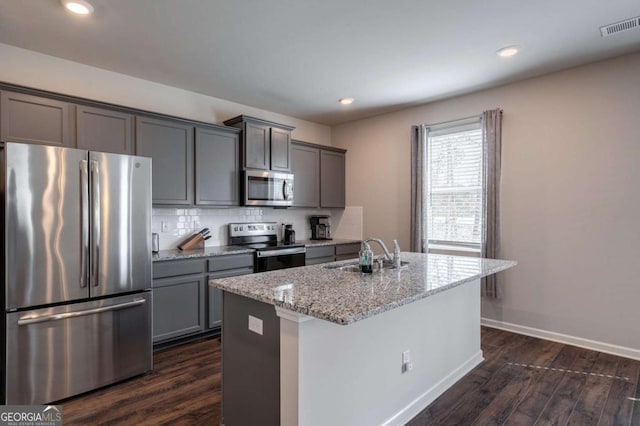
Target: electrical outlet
[255,324]
[164,225]
[407,365]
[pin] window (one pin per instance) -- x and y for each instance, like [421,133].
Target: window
[454,185]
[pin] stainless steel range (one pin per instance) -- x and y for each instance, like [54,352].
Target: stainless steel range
[263,238]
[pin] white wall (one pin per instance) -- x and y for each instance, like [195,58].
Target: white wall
[570,198]
[36,70]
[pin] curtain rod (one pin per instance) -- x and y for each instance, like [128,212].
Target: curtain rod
[442,123]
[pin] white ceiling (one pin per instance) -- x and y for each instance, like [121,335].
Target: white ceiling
[297,57]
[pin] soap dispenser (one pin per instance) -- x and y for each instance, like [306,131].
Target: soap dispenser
[366,259]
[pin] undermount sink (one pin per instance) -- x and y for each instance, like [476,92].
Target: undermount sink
[355,267]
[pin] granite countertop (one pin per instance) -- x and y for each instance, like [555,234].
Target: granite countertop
[346,297]
[176,254]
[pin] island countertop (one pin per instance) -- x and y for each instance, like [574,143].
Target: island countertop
[325,292]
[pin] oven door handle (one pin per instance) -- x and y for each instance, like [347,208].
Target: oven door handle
[281,252]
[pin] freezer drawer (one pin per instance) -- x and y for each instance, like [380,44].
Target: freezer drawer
[54,353]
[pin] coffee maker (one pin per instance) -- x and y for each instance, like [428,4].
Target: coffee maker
[320,228]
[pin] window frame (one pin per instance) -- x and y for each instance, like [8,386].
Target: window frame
[455,126]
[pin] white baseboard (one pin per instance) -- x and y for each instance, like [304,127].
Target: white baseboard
[417,405]
[563,338]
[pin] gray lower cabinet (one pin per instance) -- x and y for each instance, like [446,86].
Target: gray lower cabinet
[217,157]
[178,299]
[104,130]
[32,119]
[184,305]
[178,307]
[231,265]
[170,146]
[320,254]
[332,179]
[331,253]
[215,307]
[305,166]
[347,251]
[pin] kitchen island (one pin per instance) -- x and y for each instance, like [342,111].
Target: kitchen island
[321,345]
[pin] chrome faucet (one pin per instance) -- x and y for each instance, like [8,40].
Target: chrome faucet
[397,263]
[387,255]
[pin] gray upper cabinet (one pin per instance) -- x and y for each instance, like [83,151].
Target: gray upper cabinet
[217,156]
[332,179]
[170,145]
[257,146]
[319,175]
[104,130]
[32,119]
[265,145]
[280,149]
[305,165]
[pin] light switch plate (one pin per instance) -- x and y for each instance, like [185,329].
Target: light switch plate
[255,324]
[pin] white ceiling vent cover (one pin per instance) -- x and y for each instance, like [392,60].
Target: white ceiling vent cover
[629,24]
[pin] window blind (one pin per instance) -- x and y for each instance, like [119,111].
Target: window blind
[454,199]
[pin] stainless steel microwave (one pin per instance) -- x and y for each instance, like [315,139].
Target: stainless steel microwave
[263,188]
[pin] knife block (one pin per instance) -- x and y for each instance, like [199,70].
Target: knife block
[193,242]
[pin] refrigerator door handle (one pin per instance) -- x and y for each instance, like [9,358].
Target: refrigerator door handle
[67,315]
[84,225]
[95,211]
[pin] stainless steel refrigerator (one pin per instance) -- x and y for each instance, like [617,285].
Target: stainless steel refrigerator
[76,264]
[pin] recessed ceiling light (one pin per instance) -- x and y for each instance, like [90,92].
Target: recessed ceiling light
[79,7]
[346,101]
[507,52]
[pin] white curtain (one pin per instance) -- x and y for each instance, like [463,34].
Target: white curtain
[419,135]
[492,159]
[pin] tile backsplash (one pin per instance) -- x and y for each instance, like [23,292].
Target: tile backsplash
[174,224]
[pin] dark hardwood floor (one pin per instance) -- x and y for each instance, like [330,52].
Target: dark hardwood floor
[184,389]
[528,381]
[523,381]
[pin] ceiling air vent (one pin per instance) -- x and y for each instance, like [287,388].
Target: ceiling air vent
[618,27]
